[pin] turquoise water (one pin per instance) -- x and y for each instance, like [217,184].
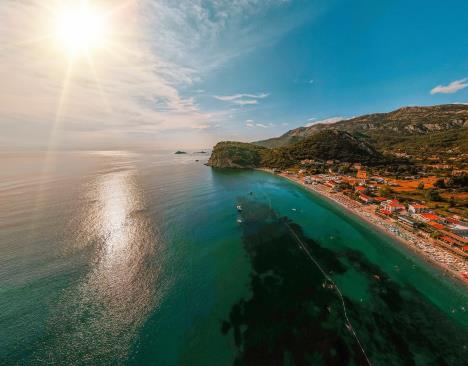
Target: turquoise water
[126,258]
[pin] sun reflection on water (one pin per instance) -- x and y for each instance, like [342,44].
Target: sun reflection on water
[124,280]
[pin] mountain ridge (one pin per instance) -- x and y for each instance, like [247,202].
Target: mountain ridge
[386,130]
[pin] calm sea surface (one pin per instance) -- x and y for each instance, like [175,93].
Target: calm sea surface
[110,258]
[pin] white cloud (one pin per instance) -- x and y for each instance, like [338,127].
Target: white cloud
[330,120]
[453,87]
[236,97]
[136,85]
[251,123]
[245,101]
[263,125]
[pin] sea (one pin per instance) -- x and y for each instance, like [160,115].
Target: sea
[144,258]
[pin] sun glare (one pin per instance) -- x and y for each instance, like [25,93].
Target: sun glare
[81,29]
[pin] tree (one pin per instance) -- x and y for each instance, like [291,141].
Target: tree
[433,195]
[385,191]
[452,201]
[440,183]
[421,185]
[459,182]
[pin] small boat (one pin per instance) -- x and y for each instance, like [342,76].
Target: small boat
[239,221]
[239,208]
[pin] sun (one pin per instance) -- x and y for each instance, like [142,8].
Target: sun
[81,29]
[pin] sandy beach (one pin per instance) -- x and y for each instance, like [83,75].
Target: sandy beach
[448,262]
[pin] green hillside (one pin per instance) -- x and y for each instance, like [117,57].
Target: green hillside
[416,131]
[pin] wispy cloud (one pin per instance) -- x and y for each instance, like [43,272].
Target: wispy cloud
[330,120]
[136,86]
[251,123]
[453,87]
[236,97]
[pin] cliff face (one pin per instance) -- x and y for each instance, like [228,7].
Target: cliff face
[231,154]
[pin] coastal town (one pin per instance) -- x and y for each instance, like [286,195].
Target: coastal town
[442,239]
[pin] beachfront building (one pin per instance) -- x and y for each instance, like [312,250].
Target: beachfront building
[331,183]
[417,208]
[458,227]
[379,200]
[407,221]
[453,239]
[360,189]
[392,206]
[435,225]
[365,198]
[427,217]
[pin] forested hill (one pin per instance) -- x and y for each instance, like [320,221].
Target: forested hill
[412,130]
[324,145]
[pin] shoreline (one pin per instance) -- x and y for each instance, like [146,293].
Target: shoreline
[412,241]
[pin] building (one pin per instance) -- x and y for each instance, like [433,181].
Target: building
[427,217]
[361,174]
[365,198]
[453,239]
[380,199]
[392,206]
[436,225]
[416,208]
[360,189]
[331,183]
[408,221]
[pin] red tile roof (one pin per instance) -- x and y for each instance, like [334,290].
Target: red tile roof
[380,199]
[395,203]
[448,239]
[436,225]
[430,216]
[417,205]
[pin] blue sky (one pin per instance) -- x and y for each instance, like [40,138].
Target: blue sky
[237,70]
[352,58]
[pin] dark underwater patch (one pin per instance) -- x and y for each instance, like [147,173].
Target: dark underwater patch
[295,316]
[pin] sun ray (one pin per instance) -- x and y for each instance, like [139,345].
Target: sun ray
[98,82]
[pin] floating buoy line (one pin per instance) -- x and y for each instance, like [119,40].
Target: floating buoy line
[348,324]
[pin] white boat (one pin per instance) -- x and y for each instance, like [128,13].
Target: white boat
[239,208]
